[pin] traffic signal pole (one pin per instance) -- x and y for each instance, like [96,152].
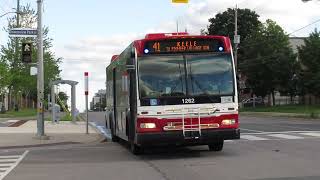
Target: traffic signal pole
[40,76]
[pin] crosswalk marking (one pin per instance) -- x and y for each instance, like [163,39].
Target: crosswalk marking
[285,136]
[5,165]
[8,163]
[281,135]
[8,157]
[252,138]
[7,160]
[311,134]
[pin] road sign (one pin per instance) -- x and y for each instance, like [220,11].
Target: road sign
[236,39]
[86,83]
[86,91]
[180,1]
[26,52]
[23,32]
[33,71]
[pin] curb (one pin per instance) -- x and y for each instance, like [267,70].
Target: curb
[101,129]
[18,118]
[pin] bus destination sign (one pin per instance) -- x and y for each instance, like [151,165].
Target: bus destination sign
[183,45]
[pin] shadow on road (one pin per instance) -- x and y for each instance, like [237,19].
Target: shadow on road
[178,152]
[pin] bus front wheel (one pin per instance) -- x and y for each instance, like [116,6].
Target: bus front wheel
[217,146]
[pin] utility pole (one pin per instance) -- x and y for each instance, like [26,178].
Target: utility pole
[18,12]
[236,38]
[177,26]
[16,56]
[40,82]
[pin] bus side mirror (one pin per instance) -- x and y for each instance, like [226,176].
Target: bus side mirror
[133,53]
[130,64]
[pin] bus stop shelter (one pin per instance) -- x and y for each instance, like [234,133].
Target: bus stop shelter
[73,97]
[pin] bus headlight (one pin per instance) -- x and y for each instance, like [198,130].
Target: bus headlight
[148,125]
[228,122]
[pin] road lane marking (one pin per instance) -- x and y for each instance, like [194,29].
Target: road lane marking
[285,136]
[253,138]
[311,134]
[15,164]
[252,130]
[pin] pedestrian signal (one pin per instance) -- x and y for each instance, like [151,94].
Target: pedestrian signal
[26,52]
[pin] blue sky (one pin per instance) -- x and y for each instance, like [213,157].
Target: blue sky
[69,19]
[87,33]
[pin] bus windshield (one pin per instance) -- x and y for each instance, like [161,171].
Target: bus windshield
[185,75]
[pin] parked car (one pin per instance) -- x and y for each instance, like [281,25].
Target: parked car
[257,101]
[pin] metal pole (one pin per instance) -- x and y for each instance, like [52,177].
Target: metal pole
[49,97]
[87,116]
[18,12]
[16,57]
[236,34]
[86,92]
[53,103]
[40,83]
[177,26]
[73,103]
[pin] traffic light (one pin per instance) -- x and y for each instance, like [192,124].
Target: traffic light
[26,52]
[180,1]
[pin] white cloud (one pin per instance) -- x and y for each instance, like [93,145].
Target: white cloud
[93,54]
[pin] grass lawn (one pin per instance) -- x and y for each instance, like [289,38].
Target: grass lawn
[20,113]
[298,109]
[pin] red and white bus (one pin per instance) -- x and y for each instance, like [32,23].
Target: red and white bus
[173,89]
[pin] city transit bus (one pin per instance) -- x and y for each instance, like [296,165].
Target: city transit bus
[173,89]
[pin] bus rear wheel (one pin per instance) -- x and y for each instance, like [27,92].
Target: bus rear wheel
[217,146]
[135,149]
[114,138]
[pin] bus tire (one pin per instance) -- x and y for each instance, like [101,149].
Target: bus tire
[135,149]
[217,146]
[114,138]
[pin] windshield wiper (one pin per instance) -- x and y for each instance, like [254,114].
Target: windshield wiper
[199,86]
[181,81]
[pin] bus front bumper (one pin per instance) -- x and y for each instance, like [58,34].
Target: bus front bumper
[208,136]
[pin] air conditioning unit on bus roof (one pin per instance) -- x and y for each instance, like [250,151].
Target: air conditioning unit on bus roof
[162,35]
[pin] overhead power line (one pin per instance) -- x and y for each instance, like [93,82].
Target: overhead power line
[304,27]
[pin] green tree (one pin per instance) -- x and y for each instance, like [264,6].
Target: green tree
[269,64]
[4,76]
[309,55]
[223,24]
[20,80]
[64,99]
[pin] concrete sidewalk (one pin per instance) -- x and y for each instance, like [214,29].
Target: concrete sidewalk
[62,133]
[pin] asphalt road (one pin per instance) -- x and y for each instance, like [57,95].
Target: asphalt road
[271,149]
[250,124]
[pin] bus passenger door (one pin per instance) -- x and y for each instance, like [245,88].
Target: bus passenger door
[114,89]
